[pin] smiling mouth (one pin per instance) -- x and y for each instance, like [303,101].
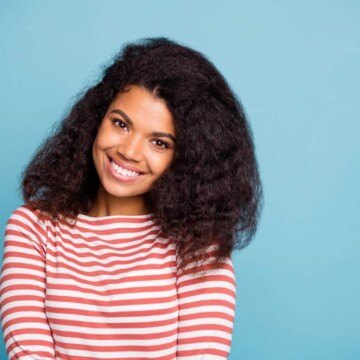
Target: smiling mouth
[122,171]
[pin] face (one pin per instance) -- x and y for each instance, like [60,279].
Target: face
[134,145]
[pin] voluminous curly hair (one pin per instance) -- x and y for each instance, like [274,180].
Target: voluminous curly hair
[212,193]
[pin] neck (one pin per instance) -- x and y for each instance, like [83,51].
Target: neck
[107,205]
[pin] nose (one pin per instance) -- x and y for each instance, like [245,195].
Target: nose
[131,148]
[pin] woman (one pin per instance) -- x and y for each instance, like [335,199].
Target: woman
[132,209]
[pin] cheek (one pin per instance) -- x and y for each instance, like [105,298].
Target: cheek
[96,157]
[105,139]
[100,144]
[96,147]
[162,163]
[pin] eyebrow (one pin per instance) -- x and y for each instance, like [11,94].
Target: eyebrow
[129,121]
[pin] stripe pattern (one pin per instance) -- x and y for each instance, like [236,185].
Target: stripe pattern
[108,288]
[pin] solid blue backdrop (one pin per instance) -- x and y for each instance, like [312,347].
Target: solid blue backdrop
[295,66]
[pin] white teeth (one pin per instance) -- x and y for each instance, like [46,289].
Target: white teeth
[122,171]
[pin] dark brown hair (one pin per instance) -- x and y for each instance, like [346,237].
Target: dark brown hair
[212,192]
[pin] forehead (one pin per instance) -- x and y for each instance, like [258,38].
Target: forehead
[142,106]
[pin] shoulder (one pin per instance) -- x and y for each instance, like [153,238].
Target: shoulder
[29,221]
[28,214]
[209,269]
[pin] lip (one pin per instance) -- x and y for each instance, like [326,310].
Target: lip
[122,178]
[124,166]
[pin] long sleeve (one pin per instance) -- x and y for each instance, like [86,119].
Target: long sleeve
[26,331]
[206,312]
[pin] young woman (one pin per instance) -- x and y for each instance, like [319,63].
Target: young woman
[132,209]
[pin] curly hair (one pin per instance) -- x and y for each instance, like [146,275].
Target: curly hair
[212,193]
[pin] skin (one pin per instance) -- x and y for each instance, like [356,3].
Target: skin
[138,134]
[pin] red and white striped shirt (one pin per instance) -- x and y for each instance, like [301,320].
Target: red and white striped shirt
[108,288]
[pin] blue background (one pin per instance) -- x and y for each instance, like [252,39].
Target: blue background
[295,66]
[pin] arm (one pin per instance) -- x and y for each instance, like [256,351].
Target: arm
[26,331]
[206,312]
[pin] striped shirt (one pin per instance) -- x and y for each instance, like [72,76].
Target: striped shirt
[108,288]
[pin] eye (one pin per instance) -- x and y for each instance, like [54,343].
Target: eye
[120,124]
[160,144]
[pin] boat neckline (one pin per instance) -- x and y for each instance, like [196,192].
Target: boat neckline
[112,217]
